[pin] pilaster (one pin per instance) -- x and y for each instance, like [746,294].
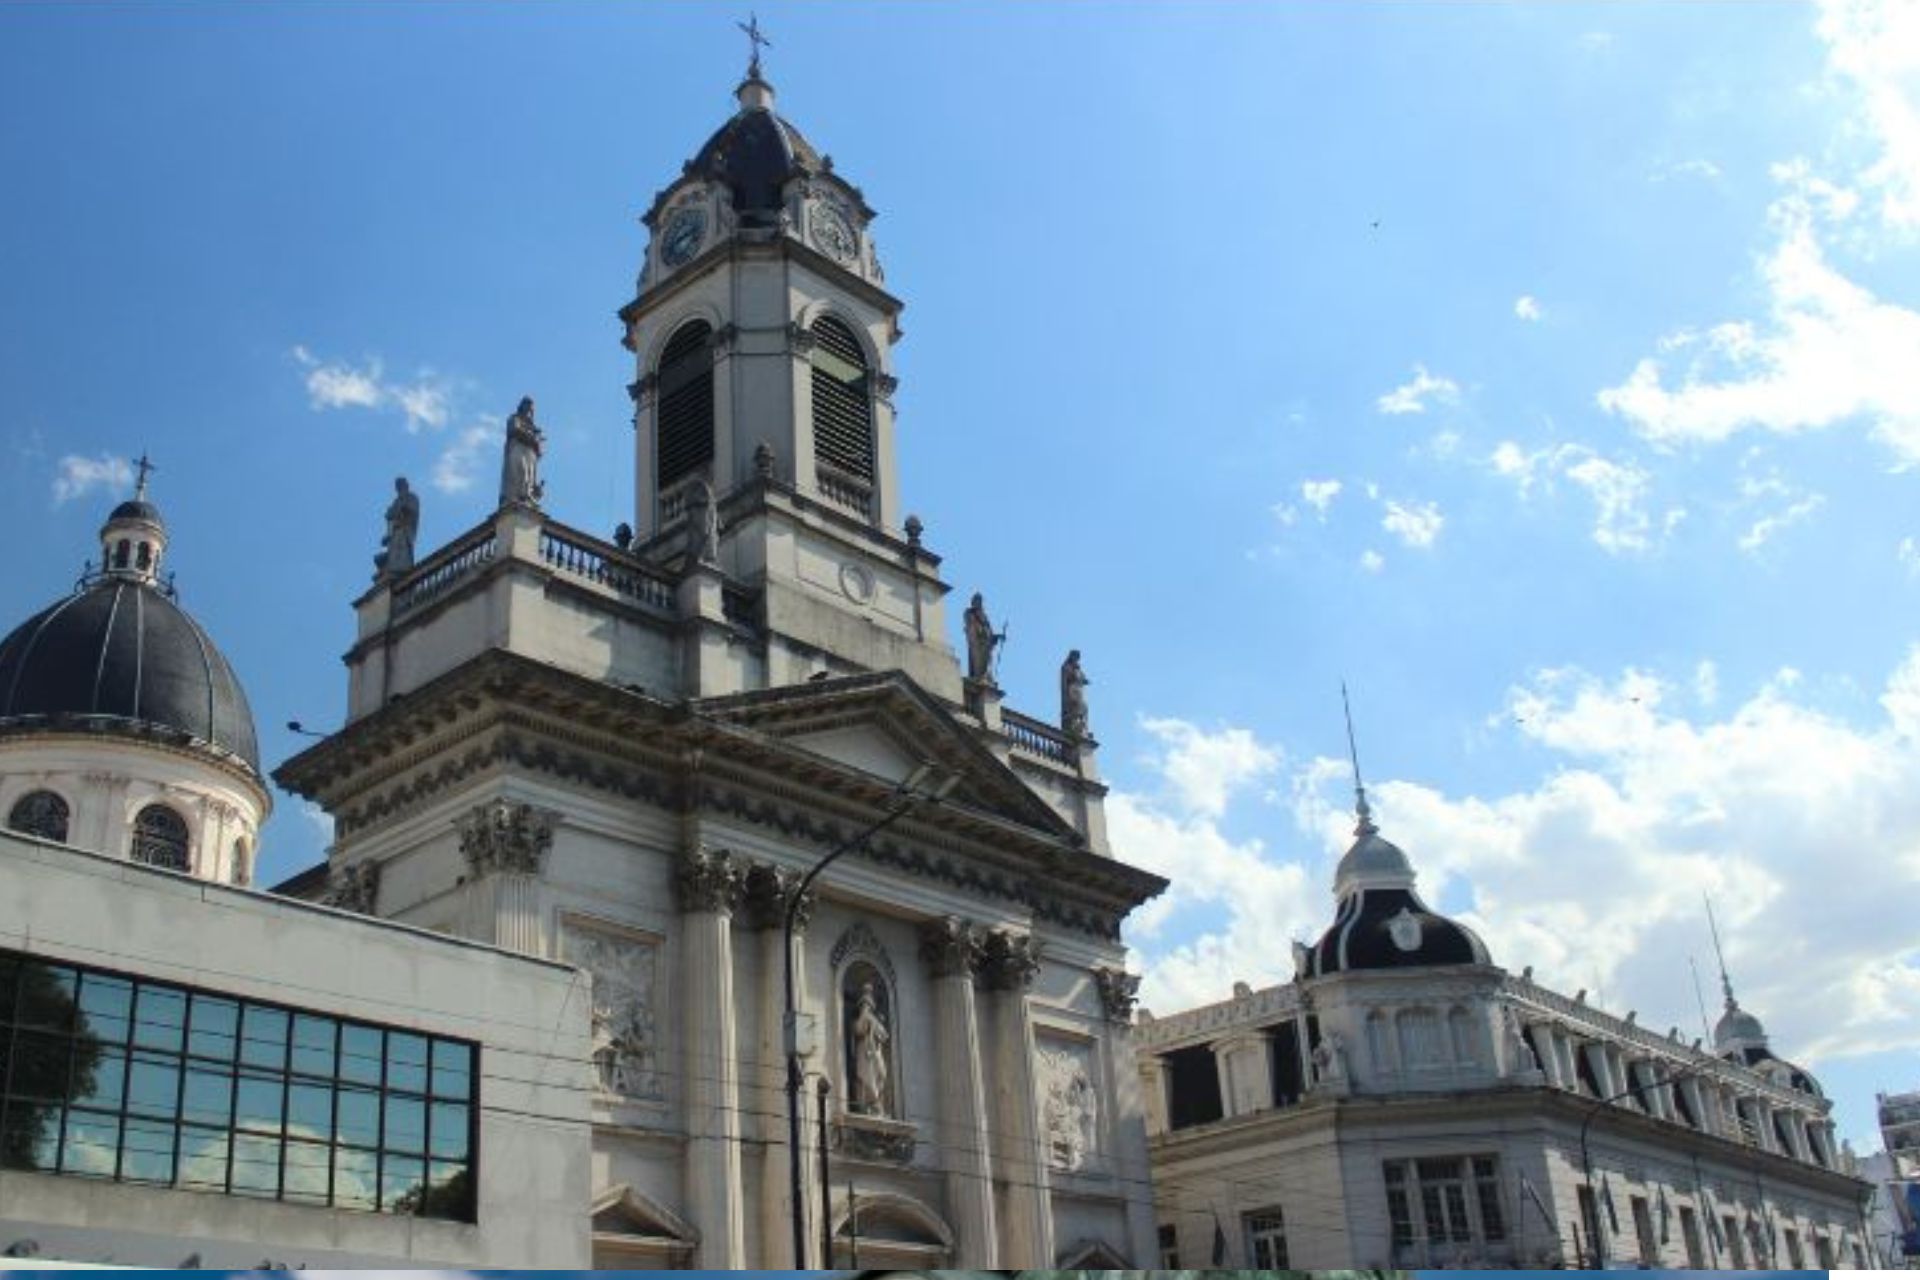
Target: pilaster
[505,845]
[767,892]
[1009,963]
[709,886]
[950,947]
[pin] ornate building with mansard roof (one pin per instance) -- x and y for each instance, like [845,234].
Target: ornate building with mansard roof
[627,753]
[1406,1102]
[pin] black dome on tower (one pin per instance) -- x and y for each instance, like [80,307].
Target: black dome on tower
[755,153]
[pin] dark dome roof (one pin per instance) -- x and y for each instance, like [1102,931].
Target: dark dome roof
[119,656]
[755,153]
[1390,928]
[136,509]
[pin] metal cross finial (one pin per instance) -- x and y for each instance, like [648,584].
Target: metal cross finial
[1726,983]
[756,42]
[143,467]
[1360,809]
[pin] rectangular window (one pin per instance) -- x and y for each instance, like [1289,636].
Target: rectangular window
[1690,1237]
[1643,1229]
[118,1077]
[1398,1210]
[1730,1227]
[1169,1247]
[1796,1257]
[1445,1203]
[1267,1239]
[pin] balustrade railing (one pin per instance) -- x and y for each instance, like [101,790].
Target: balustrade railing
[583,556]
[846,492]
[1039,738]
[432,577]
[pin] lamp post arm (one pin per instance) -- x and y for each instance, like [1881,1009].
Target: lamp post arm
[1586,1161]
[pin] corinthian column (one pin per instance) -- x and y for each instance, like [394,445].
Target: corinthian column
[709,887]
[1007,966]
[769,890]
[505,843]
[951,948]
[1119,992]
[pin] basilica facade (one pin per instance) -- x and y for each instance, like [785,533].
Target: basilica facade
[628,752]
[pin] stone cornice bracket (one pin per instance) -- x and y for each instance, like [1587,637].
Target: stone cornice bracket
[721,340]
[1008,961]
[950,947]
[503,835]
[884,385]
[642,389]
[766,890]
[709,880]
[1119,992]
[800,340]
[353,888]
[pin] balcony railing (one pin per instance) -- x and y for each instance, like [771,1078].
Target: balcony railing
[581,555]
[849,493]
[432,577]
[1039,738]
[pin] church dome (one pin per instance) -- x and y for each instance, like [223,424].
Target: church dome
[755,153]
[1736,1025]
[1381,922]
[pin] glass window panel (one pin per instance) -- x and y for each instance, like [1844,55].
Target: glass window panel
[406,1124]
[452,1070]
[263,1037]
[308,1164]
[359,1117]
[153,1086]
[310,1110]
[355,1175]
[313,1045]
[203,1158]
[215,1029]
[450,1130]
[40,1067]
[256,1165]
[261,1101]
[9,981]
[91,1144]
[406,1062]
[360,1051]
[209,1095]
[101,1084]
[160,1018]
[402,1184]
[46,995]
[449,1192]
[29,1135]
[106,1008]
[147,1155]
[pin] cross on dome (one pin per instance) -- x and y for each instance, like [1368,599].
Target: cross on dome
[144,467]
[755,41]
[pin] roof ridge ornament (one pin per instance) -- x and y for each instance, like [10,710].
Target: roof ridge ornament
[1364,827]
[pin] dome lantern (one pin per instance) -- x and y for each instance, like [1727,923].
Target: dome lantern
[133,541]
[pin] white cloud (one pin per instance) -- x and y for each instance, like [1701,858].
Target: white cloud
[1414,396]
[1415,525]
[1706,682]
[1620,490]
[1372,561]
[1908,553]
[1527,307]
[453,470]
[1873,46]
[1767,526]
[1706,170]
[1319,494]
[75,476]
[425,402]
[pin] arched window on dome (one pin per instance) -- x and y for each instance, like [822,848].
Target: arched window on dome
[1460,1035]
[160,838]
[143,556]
[683,414]
[40,813]
[843,446]
[121,551]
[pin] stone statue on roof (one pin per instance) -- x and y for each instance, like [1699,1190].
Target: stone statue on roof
[520,468]
[403,527]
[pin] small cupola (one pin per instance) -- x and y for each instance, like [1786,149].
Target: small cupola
[133,541]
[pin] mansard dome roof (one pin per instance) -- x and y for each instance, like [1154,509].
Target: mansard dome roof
[136,509]
[1737,1025]
[755,153]
[120,657]
[1381,922]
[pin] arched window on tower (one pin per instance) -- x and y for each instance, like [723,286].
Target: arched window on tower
[842,415]
[40,813]
[160,838]
[683,416]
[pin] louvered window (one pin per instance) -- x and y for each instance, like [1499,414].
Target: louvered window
[684,414]
[160,838]
[842,404]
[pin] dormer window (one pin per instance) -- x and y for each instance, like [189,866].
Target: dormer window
[683,420]
[842,404]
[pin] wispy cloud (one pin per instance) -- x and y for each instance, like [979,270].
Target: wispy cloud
[1873,48]
[1621,490]
[1415,395]
[1415,524]
[1319,494]
[425,402]
[454,470]
[1527,307]
[76,476]
[1372,561]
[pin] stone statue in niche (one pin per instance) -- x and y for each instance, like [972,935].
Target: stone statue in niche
[703,525]
[403,527]
[1073,698]
[625,1042]
[982,641]
[1069,1107]
[520,468]
[1330,1060]
[1519,1053]
[869,1052]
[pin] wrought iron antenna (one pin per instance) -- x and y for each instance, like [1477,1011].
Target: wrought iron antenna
[1700,998]
[755,41]
[1726,983]
[1361,810]
[143,467]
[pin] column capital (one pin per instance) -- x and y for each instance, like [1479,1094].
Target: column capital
[767,890]
[503,835]
[709,880]
[1008,961]
[950,947]
[1119,992]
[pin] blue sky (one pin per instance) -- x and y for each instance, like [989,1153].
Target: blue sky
[1547,373]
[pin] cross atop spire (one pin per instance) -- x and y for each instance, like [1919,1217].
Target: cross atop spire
[755,42]
[143,467]
[1361,811]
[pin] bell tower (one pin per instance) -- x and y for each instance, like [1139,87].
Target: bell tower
[762,334]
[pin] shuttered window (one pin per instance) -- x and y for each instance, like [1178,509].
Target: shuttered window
[684,417]
[842,403]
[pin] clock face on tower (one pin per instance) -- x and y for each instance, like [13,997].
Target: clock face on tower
[832,235]
[685,230]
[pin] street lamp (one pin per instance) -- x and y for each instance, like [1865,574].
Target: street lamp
[903,800]
[1586,1160]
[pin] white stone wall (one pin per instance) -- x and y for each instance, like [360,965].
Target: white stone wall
[530,1018]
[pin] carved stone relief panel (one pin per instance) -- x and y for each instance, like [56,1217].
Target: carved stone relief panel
[626,1045]
[1069,1101]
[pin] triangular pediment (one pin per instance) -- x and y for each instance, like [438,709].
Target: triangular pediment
[885,726]
[623,1211]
